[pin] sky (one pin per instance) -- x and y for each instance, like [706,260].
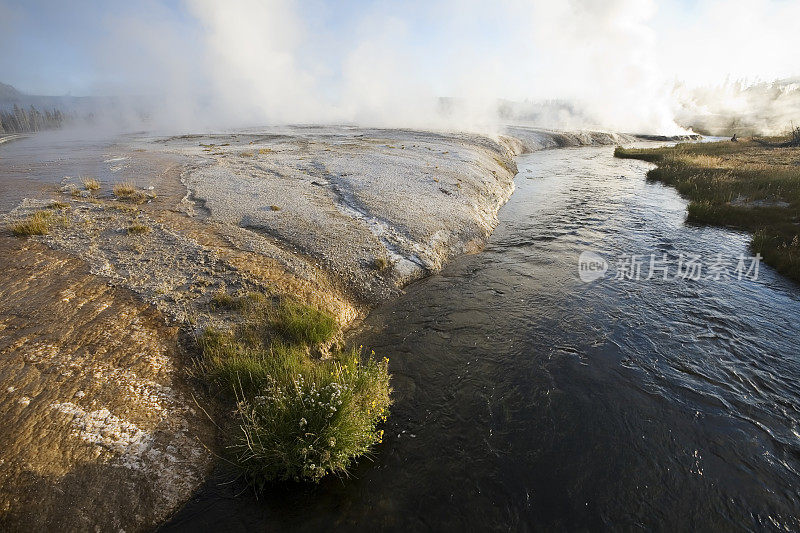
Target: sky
[385,61]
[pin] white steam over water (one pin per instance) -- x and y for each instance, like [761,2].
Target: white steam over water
[629,65]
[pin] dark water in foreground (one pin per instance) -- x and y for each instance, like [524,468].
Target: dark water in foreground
[526,399]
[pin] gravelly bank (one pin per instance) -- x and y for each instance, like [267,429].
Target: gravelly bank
[337,217]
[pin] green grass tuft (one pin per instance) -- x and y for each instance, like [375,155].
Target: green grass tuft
[303,324]
[253,305]
[222,300]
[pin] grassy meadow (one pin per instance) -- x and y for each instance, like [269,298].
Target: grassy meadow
[752,185]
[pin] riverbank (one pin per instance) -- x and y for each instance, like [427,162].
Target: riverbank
[746,185]
[329,219]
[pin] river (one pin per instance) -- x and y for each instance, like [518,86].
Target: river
[528,399]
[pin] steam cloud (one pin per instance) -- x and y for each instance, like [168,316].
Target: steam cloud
[629,65]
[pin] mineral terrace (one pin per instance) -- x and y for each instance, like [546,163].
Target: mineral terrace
[103,426]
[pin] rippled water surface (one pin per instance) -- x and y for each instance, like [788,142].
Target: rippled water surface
[527,399]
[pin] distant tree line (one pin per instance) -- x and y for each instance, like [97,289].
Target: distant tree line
[22,120]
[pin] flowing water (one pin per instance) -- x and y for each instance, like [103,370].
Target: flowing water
[527,399]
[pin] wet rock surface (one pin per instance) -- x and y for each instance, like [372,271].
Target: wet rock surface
[99,426]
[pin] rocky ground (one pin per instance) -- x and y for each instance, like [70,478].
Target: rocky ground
[98,415]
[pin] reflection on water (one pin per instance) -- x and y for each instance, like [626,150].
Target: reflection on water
[525,398]
[36,165]
[33,167]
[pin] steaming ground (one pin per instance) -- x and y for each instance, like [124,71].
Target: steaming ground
[341,218]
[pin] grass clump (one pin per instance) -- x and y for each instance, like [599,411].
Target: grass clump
[382,264]
[303,324]
[138,229]
[138,197]
[222,300]
[253,305]
[36,224]
[91,184]
[123,190]
[746,185]
[296,417]
[128,209]
[127,192]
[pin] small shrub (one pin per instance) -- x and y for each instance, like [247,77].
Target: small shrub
[91,184]
[298,418]
[302,323]
[314,424]
[294,417]
[36,224]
